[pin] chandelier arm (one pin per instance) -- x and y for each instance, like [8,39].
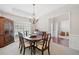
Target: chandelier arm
[34,20]
[37,20]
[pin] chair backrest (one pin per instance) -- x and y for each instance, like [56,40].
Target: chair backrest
[21,39]
[43,35]
[49,39]
[46,40]
[26,33]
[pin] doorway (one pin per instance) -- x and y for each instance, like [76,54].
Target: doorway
[60,29]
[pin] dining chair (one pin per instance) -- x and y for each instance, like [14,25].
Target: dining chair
[43,36]
[23,44]
[46,43]
[20,43]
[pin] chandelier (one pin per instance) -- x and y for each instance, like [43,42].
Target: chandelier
[34,19]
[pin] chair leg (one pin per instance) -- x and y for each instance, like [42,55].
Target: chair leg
[31,50]
[48,51]
[42,53]
[34,51]
[24,52]
[21,50]
[19,45]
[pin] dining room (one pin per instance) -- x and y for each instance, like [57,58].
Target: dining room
[29,29]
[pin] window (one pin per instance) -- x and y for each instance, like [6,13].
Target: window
[22,27]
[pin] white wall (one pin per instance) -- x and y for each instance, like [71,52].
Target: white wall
[42,24]
[73,14]
[65,26]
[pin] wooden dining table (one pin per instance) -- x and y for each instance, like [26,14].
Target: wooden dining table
[33,41]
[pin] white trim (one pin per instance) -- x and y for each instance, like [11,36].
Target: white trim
[72,35]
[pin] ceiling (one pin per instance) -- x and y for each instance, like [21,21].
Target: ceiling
[27,9]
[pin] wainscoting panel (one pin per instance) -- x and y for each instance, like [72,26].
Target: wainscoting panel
[74,42]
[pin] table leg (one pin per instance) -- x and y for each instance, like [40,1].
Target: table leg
[34,50]
[31,50]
